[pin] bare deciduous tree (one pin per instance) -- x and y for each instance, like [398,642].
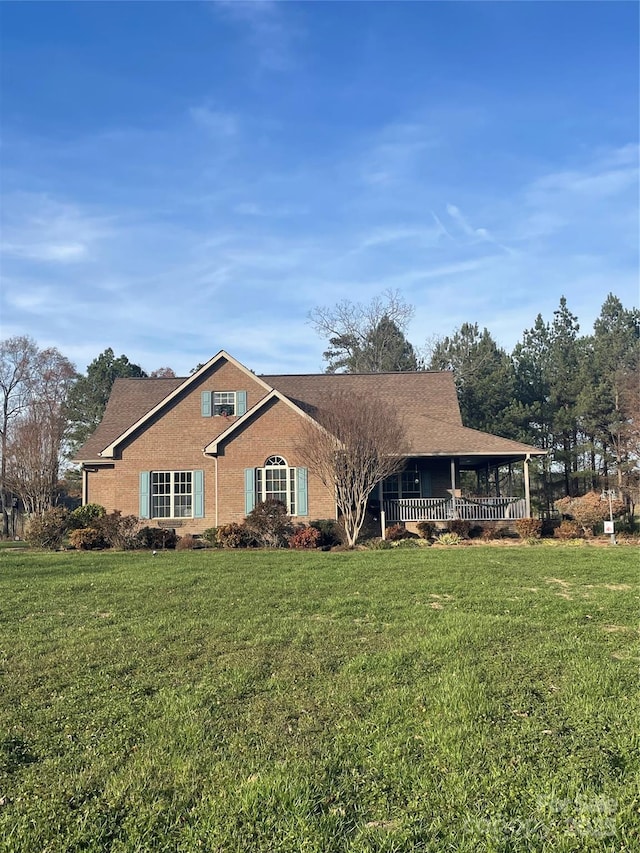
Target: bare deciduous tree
[367,338]
[17,356]
[360,442]
[34,424]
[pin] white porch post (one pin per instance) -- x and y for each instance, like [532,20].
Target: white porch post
[527,490]
[453,487]
[85,476]
[383,516]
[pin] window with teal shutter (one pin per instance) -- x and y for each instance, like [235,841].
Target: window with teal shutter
[198,494]
[249,489]
[145,489]
[241,402]
[205,403]
[303,504]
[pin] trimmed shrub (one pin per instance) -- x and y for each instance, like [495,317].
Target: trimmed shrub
[449,538]
[86,539]
[186,543]
[118,531]
[461,527]
[529,528]
[210,535]
[156,538]
[491,533]
[86,516]
[569,530]
[234,535]
[409,543]
[269,521]
[397,532]
[426,529]
[330,532]
[49,529]
[379,545]
[588,510]
[305,538]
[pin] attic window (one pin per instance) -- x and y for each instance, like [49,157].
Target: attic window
[224,403]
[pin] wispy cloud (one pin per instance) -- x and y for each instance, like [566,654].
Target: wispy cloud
[271,33]
[215,122]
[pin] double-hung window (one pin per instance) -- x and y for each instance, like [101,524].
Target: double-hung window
[171,494]
[223,403]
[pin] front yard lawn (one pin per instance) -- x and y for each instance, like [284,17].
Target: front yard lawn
[479,699]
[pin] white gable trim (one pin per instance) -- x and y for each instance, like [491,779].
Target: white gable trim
[109,450]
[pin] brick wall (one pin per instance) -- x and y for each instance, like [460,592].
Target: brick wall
[175,441]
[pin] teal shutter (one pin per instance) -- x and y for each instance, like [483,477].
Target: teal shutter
[241,402]
[145,491]
[205,403]
[198,494]
[249,489]
[425,484]
[301,497]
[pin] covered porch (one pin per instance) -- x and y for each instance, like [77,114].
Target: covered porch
[471,487]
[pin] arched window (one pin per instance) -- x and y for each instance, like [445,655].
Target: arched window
[276,481]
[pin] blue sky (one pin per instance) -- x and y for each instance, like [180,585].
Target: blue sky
[180,178]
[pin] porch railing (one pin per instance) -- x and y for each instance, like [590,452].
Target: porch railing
[445,509]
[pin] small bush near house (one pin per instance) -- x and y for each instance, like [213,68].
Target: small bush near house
[86,516]
[529,528]
[210,536]
[588,510]
[186,543]
[86,539]
[379,545]
[449,538]
[569,530]
[234,535]
[461,527]
[49,529]
[330,532]
[426,529]
[305,538]
[269,521]
[156,538]
[396,532]
[410,543]
[491,533]
[118,531]
[476,531]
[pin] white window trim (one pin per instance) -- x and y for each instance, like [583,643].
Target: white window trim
[233,394]
[171,495]
[291,482]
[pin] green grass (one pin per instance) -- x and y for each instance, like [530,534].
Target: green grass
[477,699]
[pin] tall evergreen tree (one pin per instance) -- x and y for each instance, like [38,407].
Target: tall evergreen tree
[484,378]
[611,367]
[565,369]
[90,393]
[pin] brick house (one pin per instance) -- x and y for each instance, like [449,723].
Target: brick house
[200,451]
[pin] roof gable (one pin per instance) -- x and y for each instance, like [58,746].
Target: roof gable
[130,407]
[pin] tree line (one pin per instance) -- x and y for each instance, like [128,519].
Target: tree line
[575,395]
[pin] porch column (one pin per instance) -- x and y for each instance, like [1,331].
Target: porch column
[453,487]
[527,492]
[383,515]
[84,485]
